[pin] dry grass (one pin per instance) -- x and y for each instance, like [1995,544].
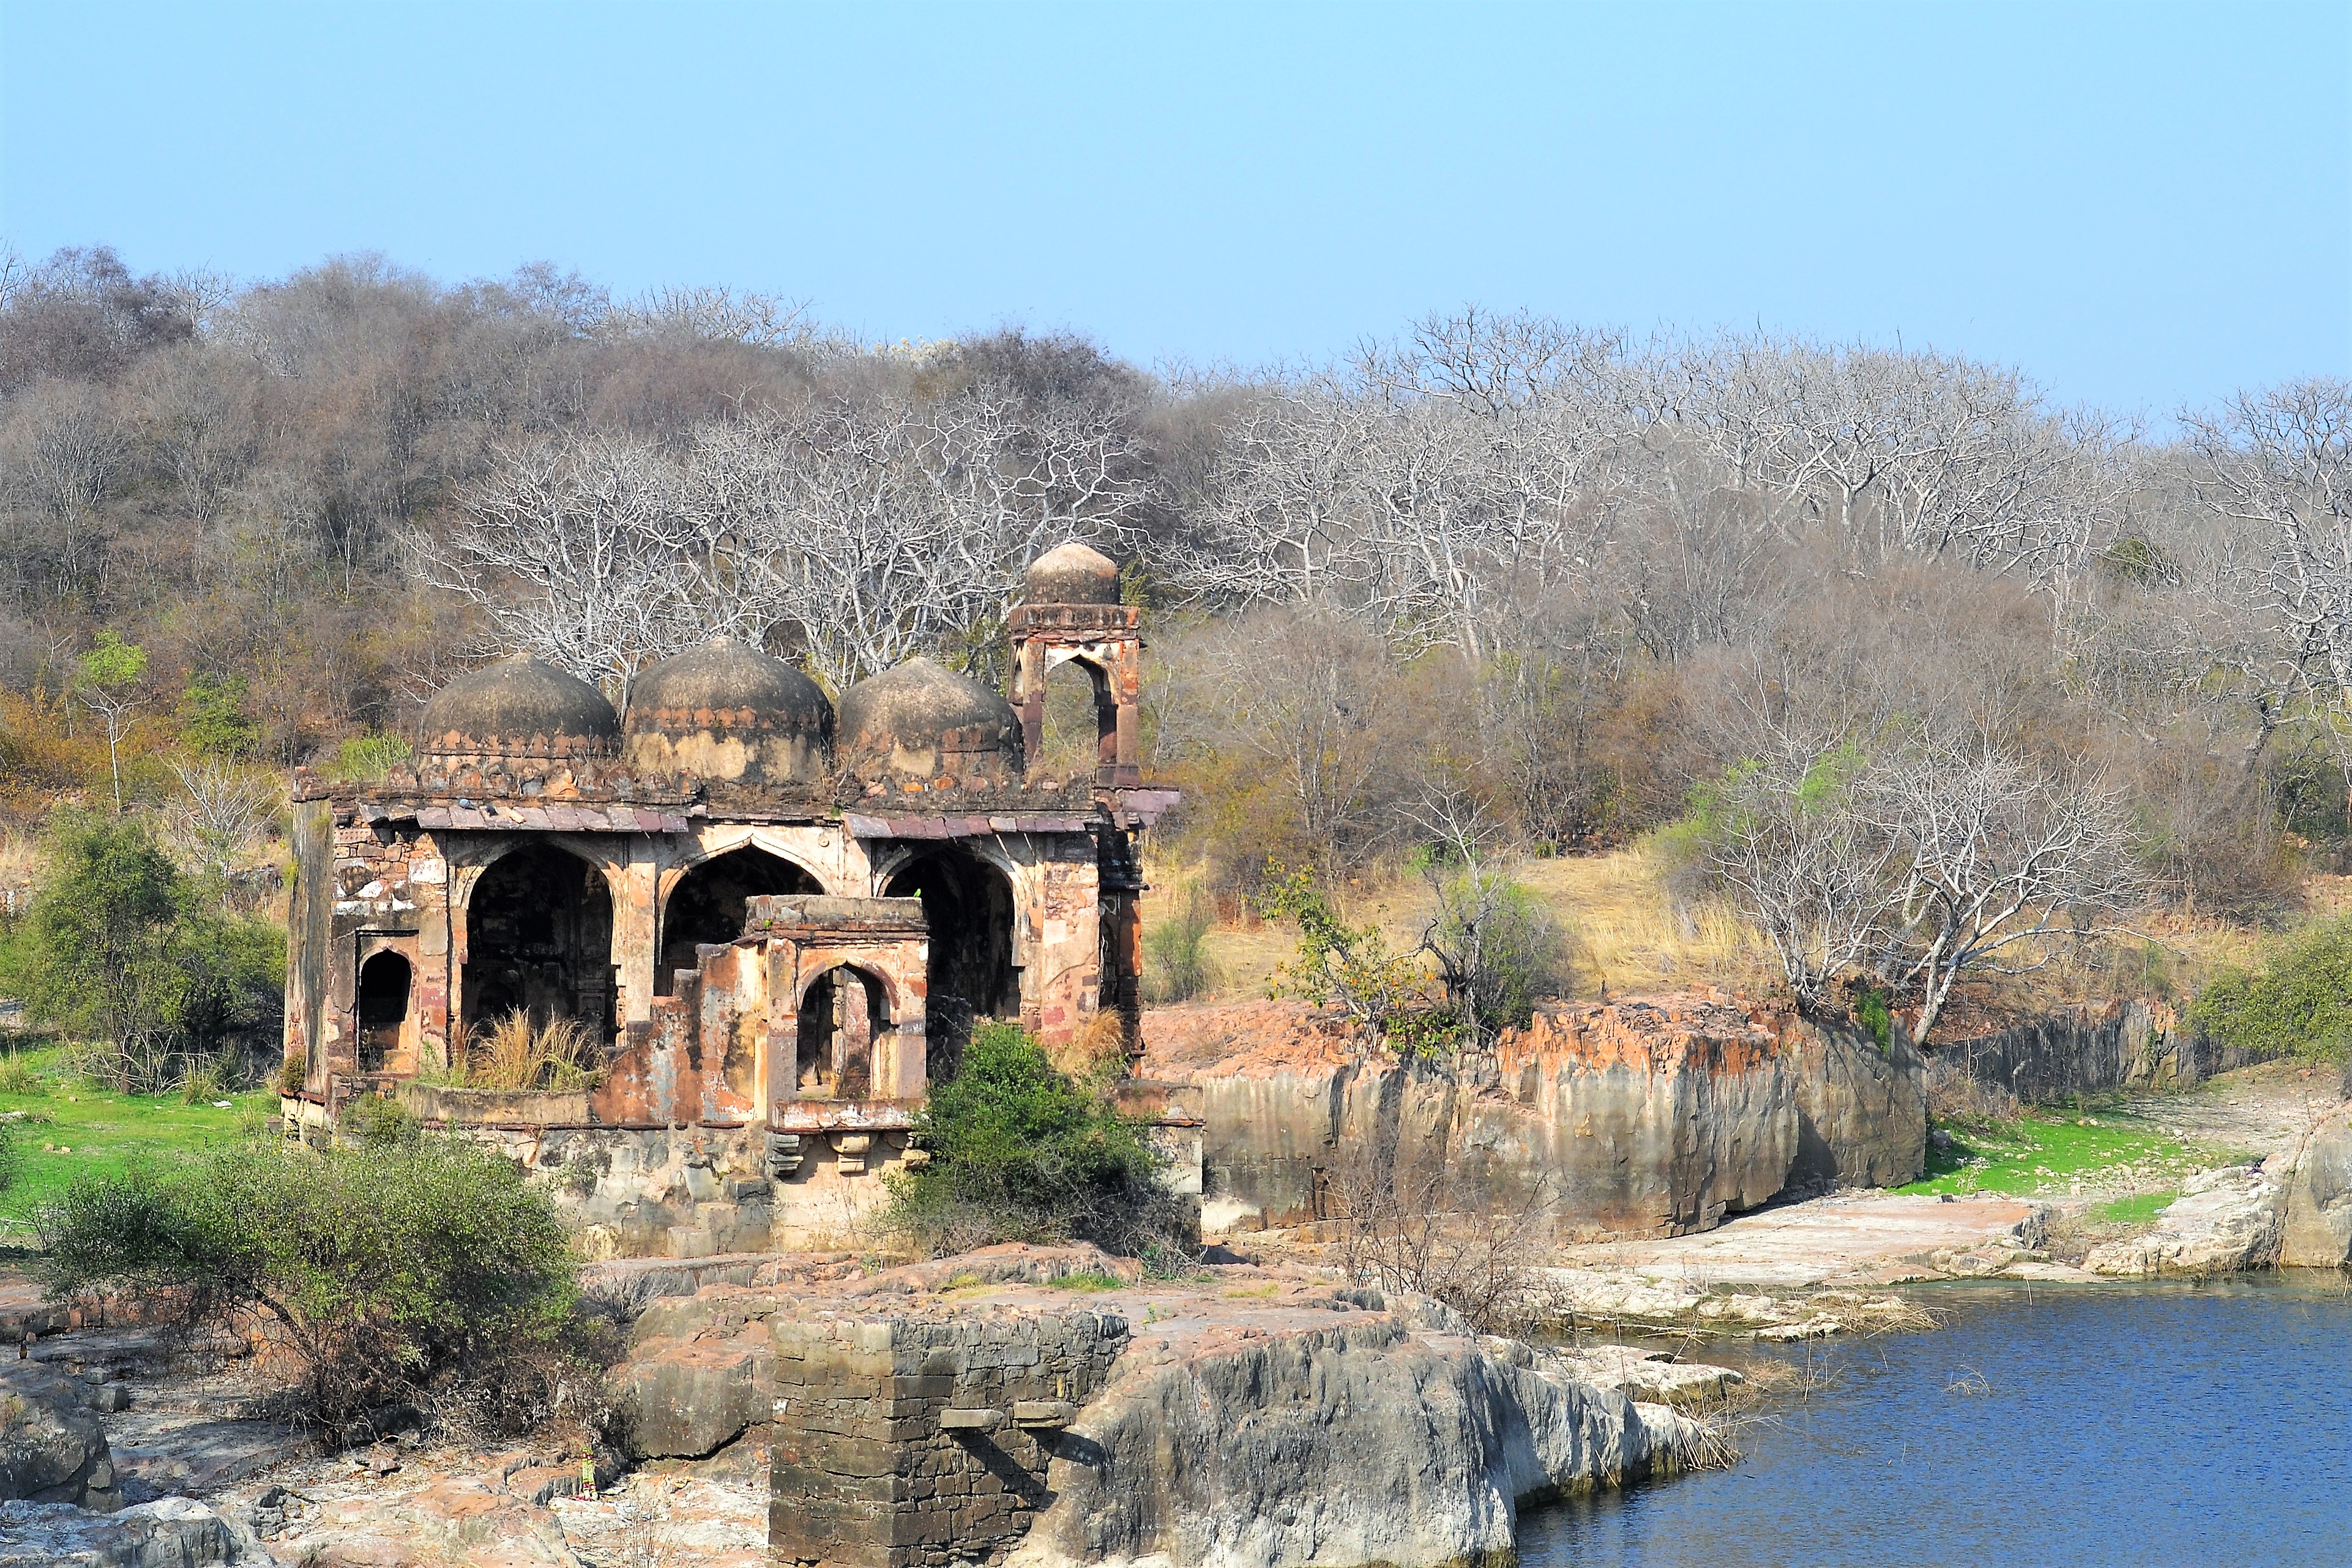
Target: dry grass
[1632,935]
[515,1054]
[1629,934]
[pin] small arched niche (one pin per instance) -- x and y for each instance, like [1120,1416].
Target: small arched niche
[707,907]
[844,1012]
[384,992]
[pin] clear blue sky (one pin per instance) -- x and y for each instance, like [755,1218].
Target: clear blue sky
[2141,205]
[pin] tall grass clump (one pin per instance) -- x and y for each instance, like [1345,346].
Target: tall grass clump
[514,1053]
[1176,966]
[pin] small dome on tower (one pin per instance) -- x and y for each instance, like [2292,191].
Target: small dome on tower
[518,707]
[725,711]
[1071,574]
[920,721]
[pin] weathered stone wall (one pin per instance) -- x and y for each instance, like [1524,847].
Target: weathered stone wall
[1646,1118]
[909,1440]
[2128,1043]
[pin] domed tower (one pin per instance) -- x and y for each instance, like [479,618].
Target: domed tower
[1071,615]
[922,723]
[519,708]
[725,711]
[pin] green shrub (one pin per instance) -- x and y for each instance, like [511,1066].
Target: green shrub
[2298,1003]
[428,1275]
[366,758]
[1871,1013]
[377,1121]
[1021,1151]
[17,1076]
[207,1079]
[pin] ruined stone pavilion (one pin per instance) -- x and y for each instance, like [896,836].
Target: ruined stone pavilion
[779,920]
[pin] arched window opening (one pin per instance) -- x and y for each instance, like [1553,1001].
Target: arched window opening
[383,1015]
[1080,734]
[843,1013]
[706,908]
[538,938]
[968,904]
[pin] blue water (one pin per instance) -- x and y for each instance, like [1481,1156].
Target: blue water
[2208,1424]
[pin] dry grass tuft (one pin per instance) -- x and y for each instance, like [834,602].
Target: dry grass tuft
[515,1054]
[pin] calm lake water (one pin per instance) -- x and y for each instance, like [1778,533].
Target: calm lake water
[2145,1426]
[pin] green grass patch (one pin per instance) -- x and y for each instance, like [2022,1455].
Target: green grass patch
[2045,1151]
[69,1129]
[1088,1281]
[2140,1208]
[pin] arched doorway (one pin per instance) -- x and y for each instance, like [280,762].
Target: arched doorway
[383,1015]
[968,904]
[539,937]
[843,1011]
[1081,732]
[706,908]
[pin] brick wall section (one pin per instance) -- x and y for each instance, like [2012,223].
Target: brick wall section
[865,1474]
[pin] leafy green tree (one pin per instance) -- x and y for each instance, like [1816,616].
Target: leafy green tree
[1019,1150]
[213,720]
[1381,989]
[399,1272]
[119,945]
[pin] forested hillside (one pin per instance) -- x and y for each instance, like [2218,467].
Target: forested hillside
[1545,585]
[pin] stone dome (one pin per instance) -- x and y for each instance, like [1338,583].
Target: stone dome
[919,722]
[725,711]
[518,707]
[1071,574]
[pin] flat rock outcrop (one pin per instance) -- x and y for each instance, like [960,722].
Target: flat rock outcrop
[2223,1221]
[1646,1118]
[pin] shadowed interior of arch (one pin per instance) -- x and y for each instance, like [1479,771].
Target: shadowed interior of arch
[383,1013]
[968,905]
[842,1012]
[706,908]
[539,937]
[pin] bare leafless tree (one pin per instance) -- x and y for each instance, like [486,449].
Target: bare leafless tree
[1990,855]
[1782,833]
[586,552]
[222,817]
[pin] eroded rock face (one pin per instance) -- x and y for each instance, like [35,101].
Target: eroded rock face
[1355,1444]
[52,1448]
[2224,1221]
[1649,1118]
[169,1532]
[2318,1231]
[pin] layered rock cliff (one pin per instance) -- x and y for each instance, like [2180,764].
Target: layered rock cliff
[1354,1444]
[1647,1118]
